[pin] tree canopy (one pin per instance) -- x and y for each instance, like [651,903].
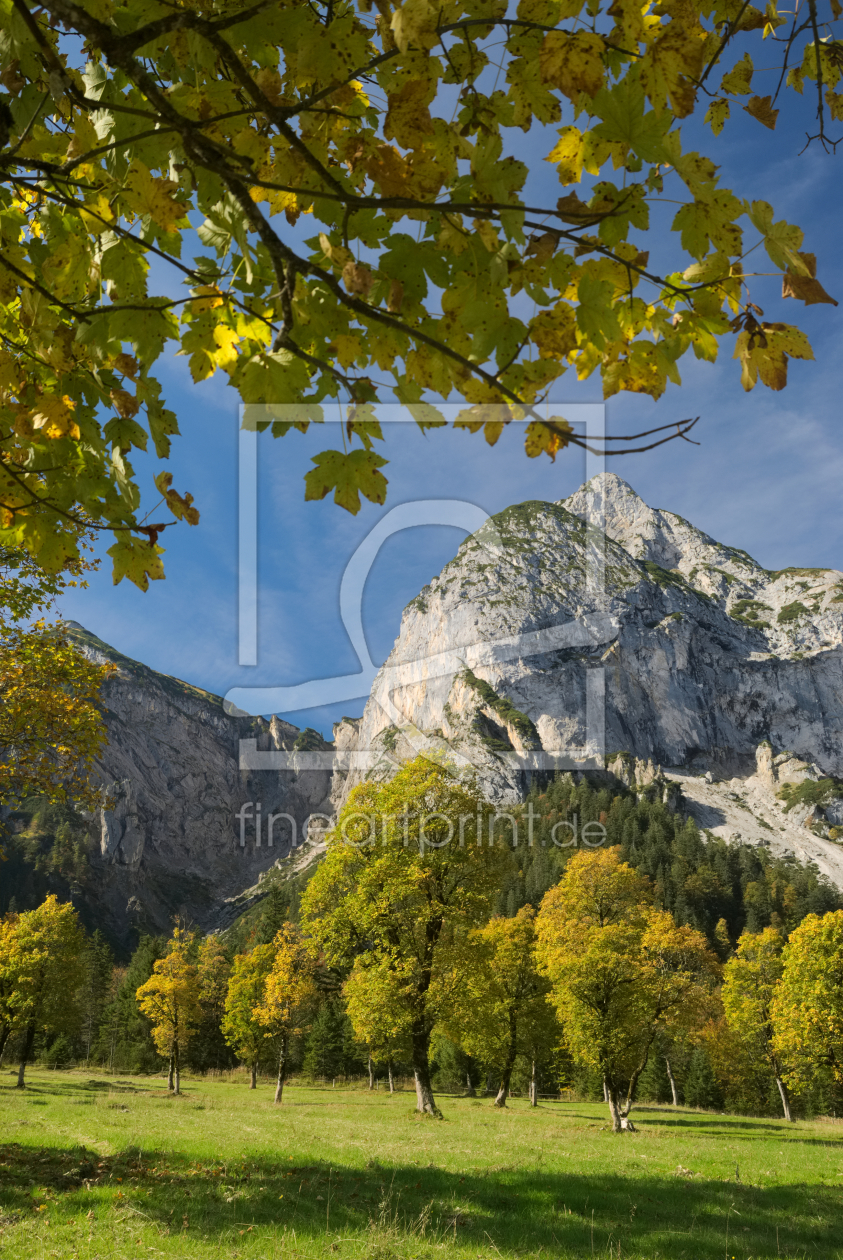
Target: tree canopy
[620,970]
[51,724]
[405,879]
[329,201]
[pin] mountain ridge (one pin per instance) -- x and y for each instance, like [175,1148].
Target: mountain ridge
[689,653]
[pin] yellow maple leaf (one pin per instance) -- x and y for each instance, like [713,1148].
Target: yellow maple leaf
[554,332]
[415,23]
[670,67]
[550,437]
[738,79]
[148,195]
[408,117]
[573,63]
[54,417]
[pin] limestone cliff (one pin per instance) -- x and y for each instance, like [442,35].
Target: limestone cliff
[169,841]
[565,632]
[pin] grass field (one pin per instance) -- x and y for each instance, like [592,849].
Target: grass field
[93,1167]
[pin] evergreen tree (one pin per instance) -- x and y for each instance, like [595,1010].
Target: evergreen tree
[124,1040]
[276,912]
[701,1086]
[98,965]
[330,1049]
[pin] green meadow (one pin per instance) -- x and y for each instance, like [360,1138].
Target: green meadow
[95,1167]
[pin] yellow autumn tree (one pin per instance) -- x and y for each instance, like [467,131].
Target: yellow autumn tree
[170,999]
[51,722]
[620,970]
[289,996]
[41,969]
[807,1006]
[502,1009]
[408,874]
[241,1028]
[750,980]
[429,272]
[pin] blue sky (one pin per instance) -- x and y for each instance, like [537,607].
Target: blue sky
[767,476]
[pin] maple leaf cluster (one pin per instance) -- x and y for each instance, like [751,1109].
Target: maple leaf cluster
[209,136]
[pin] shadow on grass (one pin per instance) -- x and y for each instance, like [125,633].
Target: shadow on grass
[523,1210]
[700,1124]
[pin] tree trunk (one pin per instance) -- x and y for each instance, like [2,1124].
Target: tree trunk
[27,1051]
[620,1114]
[282,1070]
[425,1102]
[506,1074]
[254,1079]
[605,1090]
[470,1091]
[785,1097]
[4,1037]
[170,1075]
[672,1081]
[391,1081]
[371,1073]
[177,1067]
[534,1086]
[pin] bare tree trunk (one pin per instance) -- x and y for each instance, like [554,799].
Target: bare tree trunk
[177,1066]
[389,1070]
[672,1081]
[4,1037]
[534,1086]
[470,1091]
[619,1113]
[282,1070]
[785,1097]
[25,1054]
[605,1090]
[253,1084]
[371,1073]
[171,1074]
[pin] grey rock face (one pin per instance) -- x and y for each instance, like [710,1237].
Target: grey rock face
[169,841]
[689,652]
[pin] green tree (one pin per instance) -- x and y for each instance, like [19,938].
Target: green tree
[241,1028]
[408,874]
[41,970]
[702,1088]
[503,1010]
[394,132]
[170,1000]
[620,970]
[750,980]
[98,969]
[331,1049]
[124,1040]
[807,1006]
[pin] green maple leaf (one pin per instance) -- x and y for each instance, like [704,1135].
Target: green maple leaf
[137,560]
[595,315]
[271,378]
[348,476]
[624,121]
